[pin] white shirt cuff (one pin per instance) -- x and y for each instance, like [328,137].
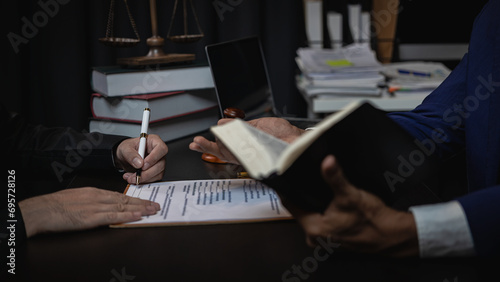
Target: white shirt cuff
[443,230]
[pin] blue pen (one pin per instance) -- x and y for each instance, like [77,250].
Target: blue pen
[415,73]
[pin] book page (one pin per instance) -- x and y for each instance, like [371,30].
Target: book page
[274,145]
[292,152]
[256,150]
[208,201]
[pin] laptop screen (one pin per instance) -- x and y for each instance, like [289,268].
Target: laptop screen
[240,76]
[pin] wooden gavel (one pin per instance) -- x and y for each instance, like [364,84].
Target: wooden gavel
[228,113]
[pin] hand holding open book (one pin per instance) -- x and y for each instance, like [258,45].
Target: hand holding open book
[372,149]
[277,127]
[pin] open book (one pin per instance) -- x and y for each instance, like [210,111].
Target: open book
[375,153]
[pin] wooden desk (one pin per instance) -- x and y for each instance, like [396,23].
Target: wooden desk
[271,251]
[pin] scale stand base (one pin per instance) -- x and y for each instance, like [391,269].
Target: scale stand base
[153,60]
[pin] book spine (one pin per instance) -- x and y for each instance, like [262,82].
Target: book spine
[154,81]
[163,105]
[157,120]
[168,130]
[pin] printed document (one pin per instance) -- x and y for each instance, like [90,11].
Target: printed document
[208,201]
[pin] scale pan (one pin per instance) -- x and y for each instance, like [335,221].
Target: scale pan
[119,41]
[185,38]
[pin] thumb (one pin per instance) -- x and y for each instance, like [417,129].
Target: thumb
[136,160]
[132,157]
[334,176]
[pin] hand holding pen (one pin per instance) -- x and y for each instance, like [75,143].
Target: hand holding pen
[143,156]
[142,141]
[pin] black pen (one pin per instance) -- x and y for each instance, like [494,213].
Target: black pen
[142,142]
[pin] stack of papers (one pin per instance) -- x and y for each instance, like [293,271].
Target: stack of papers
[350,71]
[410,78]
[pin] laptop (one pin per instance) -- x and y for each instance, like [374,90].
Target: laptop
[241,79]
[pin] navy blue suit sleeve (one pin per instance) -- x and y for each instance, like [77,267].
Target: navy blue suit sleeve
[435,119]
[482,210]
[473,84]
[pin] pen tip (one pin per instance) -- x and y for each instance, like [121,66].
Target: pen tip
[137,180]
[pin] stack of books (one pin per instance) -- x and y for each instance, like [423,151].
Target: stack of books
[350,71]
[182,100]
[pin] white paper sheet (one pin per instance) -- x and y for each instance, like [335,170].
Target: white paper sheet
[208,202]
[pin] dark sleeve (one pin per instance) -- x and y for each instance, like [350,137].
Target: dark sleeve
[436,119]
[32,151]
[446,109]
[482,210]
[57,150]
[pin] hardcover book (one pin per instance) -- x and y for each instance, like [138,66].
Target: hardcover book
[375,153]
[117,81]
[168,130]
[163,105]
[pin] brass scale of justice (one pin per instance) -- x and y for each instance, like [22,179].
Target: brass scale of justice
[155,42]
[156,55]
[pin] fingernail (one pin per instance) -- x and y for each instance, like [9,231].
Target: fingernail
[151,209]
[146,166]
[137,162]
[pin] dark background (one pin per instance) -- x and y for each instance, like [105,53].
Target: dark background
[48,77]
[443,21]
[423,21]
